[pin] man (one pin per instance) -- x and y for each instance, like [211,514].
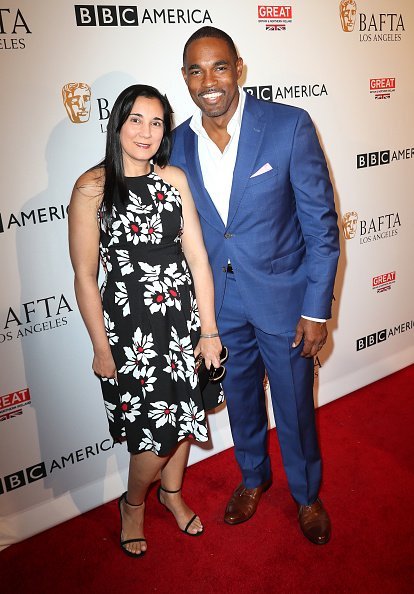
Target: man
[262,190]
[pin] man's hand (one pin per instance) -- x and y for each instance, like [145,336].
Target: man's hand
[314,336]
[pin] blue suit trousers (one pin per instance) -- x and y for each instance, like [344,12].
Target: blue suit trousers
[251,352]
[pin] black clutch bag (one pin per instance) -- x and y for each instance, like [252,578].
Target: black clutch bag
[214,374]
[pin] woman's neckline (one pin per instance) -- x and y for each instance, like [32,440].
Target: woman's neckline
[137,176]
[142,174]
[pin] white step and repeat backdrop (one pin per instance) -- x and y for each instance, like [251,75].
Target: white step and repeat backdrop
[349,64]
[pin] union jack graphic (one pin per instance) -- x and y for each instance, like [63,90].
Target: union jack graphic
[275,27]
[11,414]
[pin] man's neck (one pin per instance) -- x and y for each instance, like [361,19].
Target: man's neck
[217,132]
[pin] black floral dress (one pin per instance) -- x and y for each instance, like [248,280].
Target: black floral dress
[152,323]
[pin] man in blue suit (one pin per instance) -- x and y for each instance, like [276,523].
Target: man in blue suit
[265,201]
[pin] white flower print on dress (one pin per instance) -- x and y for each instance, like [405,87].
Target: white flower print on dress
[105,259]
[177,195]
[124,262]
[177,238]
[162,196]
[130,406]
[183,346]
[187,277]
[143,344]
[194,418]
[163,413]
[136,230]
[121,298]
[154,229]
[173,193]
[109,408]
[155,297]
[110,380]
[109,327]
[152,273]
[178,276]
[173,298]
[115,233]
[147,379]
[188,429]
[174,366]
[139,354]
[191,373]
[135,204]
[194,322]
[191,412]
[148,443]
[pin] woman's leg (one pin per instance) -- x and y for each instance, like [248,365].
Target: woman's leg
[143,468]
[171,479]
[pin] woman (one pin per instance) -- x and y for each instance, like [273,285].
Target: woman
[145,325]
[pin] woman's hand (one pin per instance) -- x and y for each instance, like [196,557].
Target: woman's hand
[103,365]
[210,349]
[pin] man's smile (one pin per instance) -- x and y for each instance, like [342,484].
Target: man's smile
[211,95]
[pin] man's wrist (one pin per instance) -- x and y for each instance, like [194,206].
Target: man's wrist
[321,320]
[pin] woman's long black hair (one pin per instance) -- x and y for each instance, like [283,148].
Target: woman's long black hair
[114,186]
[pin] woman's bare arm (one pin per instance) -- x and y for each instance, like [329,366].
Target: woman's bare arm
[84,253]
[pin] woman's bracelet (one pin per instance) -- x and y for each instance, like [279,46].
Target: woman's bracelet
[214,335]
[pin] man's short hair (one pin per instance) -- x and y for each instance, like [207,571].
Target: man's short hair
[208,31]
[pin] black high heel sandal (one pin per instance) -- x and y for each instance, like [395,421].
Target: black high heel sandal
[129,540]
[185,530]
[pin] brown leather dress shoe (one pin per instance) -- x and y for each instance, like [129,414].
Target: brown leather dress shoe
[314,522]
[243,503]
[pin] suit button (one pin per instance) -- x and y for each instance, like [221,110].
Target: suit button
[228,235]
[224,269]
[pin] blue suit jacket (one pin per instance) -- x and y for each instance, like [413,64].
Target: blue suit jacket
[281,235]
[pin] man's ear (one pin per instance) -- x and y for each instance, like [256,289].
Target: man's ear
[239,67]
[183,72]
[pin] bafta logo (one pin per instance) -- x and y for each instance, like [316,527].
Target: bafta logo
[349,224]
[77,101]
[347,11]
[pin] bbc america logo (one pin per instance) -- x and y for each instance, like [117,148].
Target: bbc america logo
[22,477]
[102,15]
[270,93]
[385,157]
[371,340]
[25,476]
[106,16]
[382,335]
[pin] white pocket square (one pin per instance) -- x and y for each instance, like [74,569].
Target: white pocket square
[266,167]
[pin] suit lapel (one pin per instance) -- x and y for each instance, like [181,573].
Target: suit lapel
[251,135]
[203,202]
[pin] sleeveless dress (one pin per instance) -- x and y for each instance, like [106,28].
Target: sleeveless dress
[152,322]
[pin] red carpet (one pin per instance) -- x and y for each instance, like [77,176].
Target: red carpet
[367,443]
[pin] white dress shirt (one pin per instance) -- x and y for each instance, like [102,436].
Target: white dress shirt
[217,167]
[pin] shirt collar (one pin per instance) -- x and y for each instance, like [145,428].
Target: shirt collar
[196,122]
